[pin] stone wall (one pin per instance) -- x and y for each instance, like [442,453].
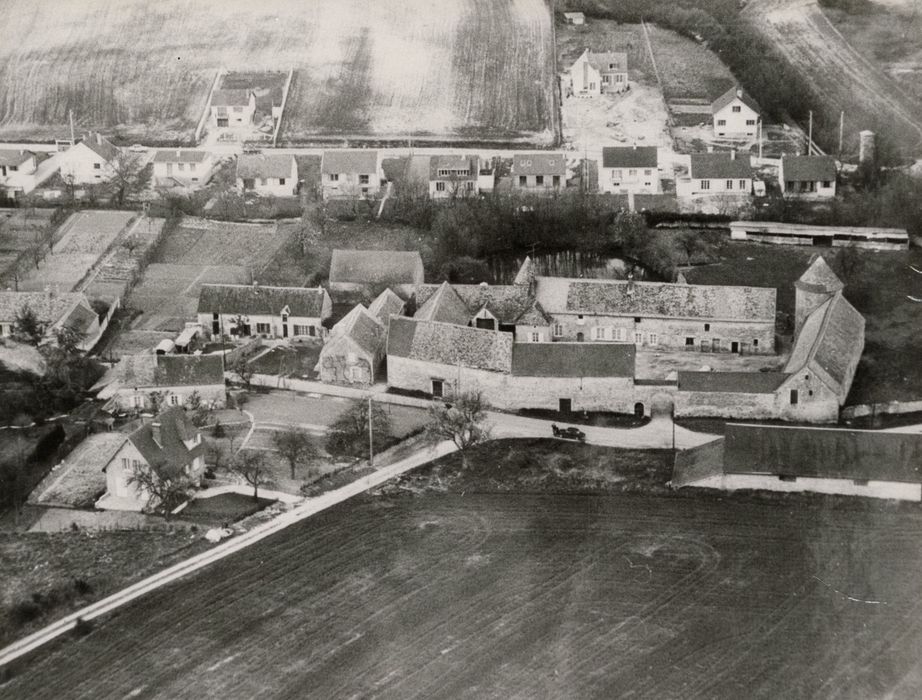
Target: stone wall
[846,487]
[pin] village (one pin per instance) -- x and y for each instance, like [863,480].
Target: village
[215,339]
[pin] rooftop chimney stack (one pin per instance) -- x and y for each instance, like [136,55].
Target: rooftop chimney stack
[739,92]
[732,154]
[98,139]
[155,433]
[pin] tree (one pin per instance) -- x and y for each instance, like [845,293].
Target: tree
[27,328]
[240,325]
[348,435]
[849,262]
[68,339]
[200,412]
[295,446]
[461,421]
[215,455]
[129,176]
[165,492]
[244,370]
[251,466]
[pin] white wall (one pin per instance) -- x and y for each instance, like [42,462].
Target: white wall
[84,165]
[128,398]
[274,322]
[845,487]
[350,185]
[736,121]
[624,180]
[191,174]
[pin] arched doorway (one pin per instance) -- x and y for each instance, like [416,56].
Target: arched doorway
[638,409]
[579,337]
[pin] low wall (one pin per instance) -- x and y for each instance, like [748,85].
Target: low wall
[841,487]
[697,463]
[891,407]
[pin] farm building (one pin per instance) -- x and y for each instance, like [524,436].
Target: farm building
[370,271]
[232,109]
[90,161]
[735,113]
[78,480]
[169,445]
[539,172]
[811,177]
[54,311]
[350,173]
[630,169]
[802,234]
[456,176]
[272,174]
[138,381]
[246,310]
[354,350]
[869,463]
[185,168]
[16,172]
[385,305]
[576,18]
[593,74]
[717,174]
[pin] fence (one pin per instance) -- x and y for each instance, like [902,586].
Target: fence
[204,118]
[278,122]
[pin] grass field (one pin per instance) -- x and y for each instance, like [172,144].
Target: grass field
[688,69]
[143,72]
[478,594]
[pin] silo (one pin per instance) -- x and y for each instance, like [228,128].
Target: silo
[866,146]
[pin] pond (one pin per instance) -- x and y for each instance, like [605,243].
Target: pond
[569,263]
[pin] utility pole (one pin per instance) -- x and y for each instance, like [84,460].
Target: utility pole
[371,437]
[841,130]
[760,139]
[810,135]
[70,114]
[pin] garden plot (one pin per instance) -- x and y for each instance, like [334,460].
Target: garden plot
[119,270]
[201,242]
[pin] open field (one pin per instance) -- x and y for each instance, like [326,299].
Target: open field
[527,596]
[890,369]
[366,69]
[842,77]
[86,236]
[207,242]
[20,229]
[116,273]
[688,69]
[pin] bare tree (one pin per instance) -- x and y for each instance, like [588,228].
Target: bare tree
[164,492]
[462,422]
[245,371]
[295,446]
[129,176]
[251,466]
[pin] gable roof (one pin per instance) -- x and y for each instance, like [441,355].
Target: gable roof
[823,452]
[386,304]
[349,161]
[608,61]
[808,168]
[101,146]
[376,267]
[48,308]
[507,303]
[14,156]
[266,165]
[168,456]
[527,272]
[734,93]
[231,97]
[819,278]
[656,299]
[180,156]
[719,165]
[630,157]
[362,328]
[451,162]
[444,305]
[732,382]
[449,344]
[150,371]
[261,300]
[573,359]
[539,164]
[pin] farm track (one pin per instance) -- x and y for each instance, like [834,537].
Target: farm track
[496,595]
[840,75]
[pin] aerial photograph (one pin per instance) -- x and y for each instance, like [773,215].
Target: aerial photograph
[479,349]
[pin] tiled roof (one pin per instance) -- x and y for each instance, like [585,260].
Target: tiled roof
[80,319]
[146,371]
[732,382]
[527,272]
[230,98]
[732,94]
[808,168]
[819,277]
[14,156]
[362,328]
[180,156]
[359,161]
[170,455]
[573,359]
[306,302]
[265,165]
[376,267]
[444,305]
[608,61]
[507,303]
[539,164]
[386,304]
[49,308]
[656,299]
[823,452]
[454,163]
[719,165]
[97,143]
[448,344]
[534,315]
[629,157]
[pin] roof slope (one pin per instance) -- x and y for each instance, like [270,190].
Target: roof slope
[573,359]
[261,300]
[349,161]
[14,156]
[808,168]
[539,164]
[507,303]
[819,277]
[101,146]
[362,328]
[148,370]
[719,165]
[168,456]
[376,267]
[180,156]
[656,299]
[608,61]
[823,452]
[734,93]
[454,163]
[444,306]
[230,97]
[265,165]
[448,344]
[386,304]
[732,382]
[629,157]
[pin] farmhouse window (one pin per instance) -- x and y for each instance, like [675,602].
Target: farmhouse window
[97,166]
[592,86]
[440,186]
[125,463]
[174,399]
[618,334]
[556,181]
[743,185]
[755,342]
[638,338]
[311,331]
[637,319]
[363,179]
[729,184]
[281,181]
[647,172]
[135,464]
[794,397]
[707,326]
[364,191]
[14,168]
[787,477]
[523,180]
[750,122]
[302,330]
[535,337]
[604,80]
[721,122]
[181,166]
[689,341]
[653,339]
[195,179]
[262,328]
[600,333]
[632,173]
[438,388]
[334,177]
[827,183]
[539,179]
[558,330]
[579,318]
[736,109]
[444,173]
[705,184]
[469,186]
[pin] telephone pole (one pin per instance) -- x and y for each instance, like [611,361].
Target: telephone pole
[371,436]
[810,135]
[841,130]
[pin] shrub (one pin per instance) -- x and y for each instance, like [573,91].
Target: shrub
[82,627]
[25,611]
[82,586]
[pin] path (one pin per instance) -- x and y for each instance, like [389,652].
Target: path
[107,256]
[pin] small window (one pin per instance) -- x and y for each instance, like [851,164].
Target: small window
[755,342]
[579,317]
[707,326]
[125,463]
[438,388]
[794,397]
[729,184]
[632,173]
[334,177]
[742,184]
[787,477]
[363,179]
[539,179]
[192,167]
[721,122]
[558,330]
[750,122]
[638,338]
[523,180]
[281,181]
[827,183]
[653,339]
[736,109]
[556,181]
[689,342]
[97,166]
[262,328]
[535,337]
[647,172]
[135,464]
[637,319]
[705,184]
[174,400]
[181,166]
[600,333]
[618,334]
[439,186]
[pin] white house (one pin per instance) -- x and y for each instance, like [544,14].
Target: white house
[453,176]
[630,169]
[718,174]
[16,169]
[574,18]
[232,108]
[735,113]
[90,161]
[354,349]
[54,310]
[595,73]
[274,312]
[272,174]
[350,173]
[539,172]
[169,446]
[137,381]
[187,168]
[812,177]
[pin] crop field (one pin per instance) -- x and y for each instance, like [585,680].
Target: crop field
[842,77]
[143,72]
[526,596]
[20,230]
[117,272]
[204,242]
[688,69]
[87,235]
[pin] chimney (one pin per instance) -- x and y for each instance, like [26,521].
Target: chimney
[155,433]
[98,139]
[732,154]
[178,153]
[710,149]
[635,146]
[630,284]
[739,92]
